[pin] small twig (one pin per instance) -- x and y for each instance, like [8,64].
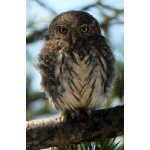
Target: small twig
[47,7]
[36,35]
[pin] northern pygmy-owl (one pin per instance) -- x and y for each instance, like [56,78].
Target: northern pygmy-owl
[76,64]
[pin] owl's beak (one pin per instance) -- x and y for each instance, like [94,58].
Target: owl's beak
[74,36]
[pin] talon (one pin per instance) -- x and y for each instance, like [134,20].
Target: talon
[77,113]
[64,117]
[72,114]
[88,111]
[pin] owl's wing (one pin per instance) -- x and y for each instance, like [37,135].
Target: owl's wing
[46,67]
[106,55]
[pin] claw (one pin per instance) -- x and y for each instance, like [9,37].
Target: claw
[88,111]
[64,117]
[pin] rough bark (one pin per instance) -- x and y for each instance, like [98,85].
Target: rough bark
[52,132]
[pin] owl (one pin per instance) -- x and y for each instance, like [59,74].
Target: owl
[76,64]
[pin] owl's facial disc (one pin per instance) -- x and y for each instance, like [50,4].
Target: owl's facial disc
[73,33]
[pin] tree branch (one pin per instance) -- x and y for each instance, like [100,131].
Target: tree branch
[36,35]
[100,125]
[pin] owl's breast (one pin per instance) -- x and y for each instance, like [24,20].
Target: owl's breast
[81,80]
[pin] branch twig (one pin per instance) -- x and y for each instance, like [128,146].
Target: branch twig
[100,125]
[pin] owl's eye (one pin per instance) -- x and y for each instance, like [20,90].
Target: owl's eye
[63,30]
[84,29]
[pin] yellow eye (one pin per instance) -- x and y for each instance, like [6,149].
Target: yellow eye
[63,30]
[84,29]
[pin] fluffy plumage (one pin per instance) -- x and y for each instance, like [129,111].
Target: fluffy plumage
[76,64]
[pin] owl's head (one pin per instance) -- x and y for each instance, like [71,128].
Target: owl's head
[73,25]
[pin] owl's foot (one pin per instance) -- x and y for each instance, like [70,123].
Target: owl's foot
[63,117]
[68,114]
[87,111]
[84,110]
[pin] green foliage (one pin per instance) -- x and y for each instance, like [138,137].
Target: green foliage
[109,144]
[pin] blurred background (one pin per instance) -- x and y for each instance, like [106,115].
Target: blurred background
[39,14]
